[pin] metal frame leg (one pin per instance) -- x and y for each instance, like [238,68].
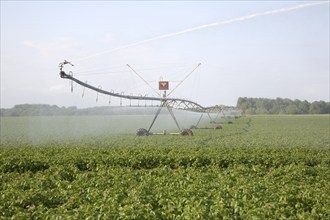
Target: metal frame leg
[199,120]
[157,113]
[216,117]
[171,113]
[211,120]
[173,116]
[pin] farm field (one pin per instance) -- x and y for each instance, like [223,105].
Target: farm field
[259,167]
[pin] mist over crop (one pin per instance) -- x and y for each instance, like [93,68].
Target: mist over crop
[37,129]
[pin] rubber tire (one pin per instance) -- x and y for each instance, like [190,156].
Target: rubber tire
[142,132]
[187,132]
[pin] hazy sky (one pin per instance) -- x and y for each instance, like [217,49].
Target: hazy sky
[280,54]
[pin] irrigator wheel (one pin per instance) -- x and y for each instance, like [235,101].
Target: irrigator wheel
[142,132]
[187,132]
[218,127]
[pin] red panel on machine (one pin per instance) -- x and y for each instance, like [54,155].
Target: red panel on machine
[163,85]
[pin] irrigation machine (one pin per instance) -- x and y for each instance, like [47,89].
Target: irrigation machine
[165,101]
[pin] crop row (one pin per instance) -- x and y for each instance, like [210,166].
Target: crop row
[39,159]
[165,183]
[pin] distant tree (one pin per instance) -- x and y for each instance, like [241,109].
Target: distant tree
[242,103]
[291,109]
[281,106]
[319,107]
[304,107]
[250,111]
[261,111]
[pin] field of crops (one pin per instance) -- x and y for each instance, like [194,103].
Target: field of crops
[259,167]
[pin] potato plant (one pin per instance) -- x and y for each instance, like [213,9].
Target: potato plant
[262,167]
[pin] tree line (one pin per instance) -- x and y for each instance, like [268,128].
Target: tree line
[281,106]
[247,105]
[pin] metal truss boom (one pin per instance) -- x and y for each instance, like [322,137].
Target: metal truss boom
[176,103]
